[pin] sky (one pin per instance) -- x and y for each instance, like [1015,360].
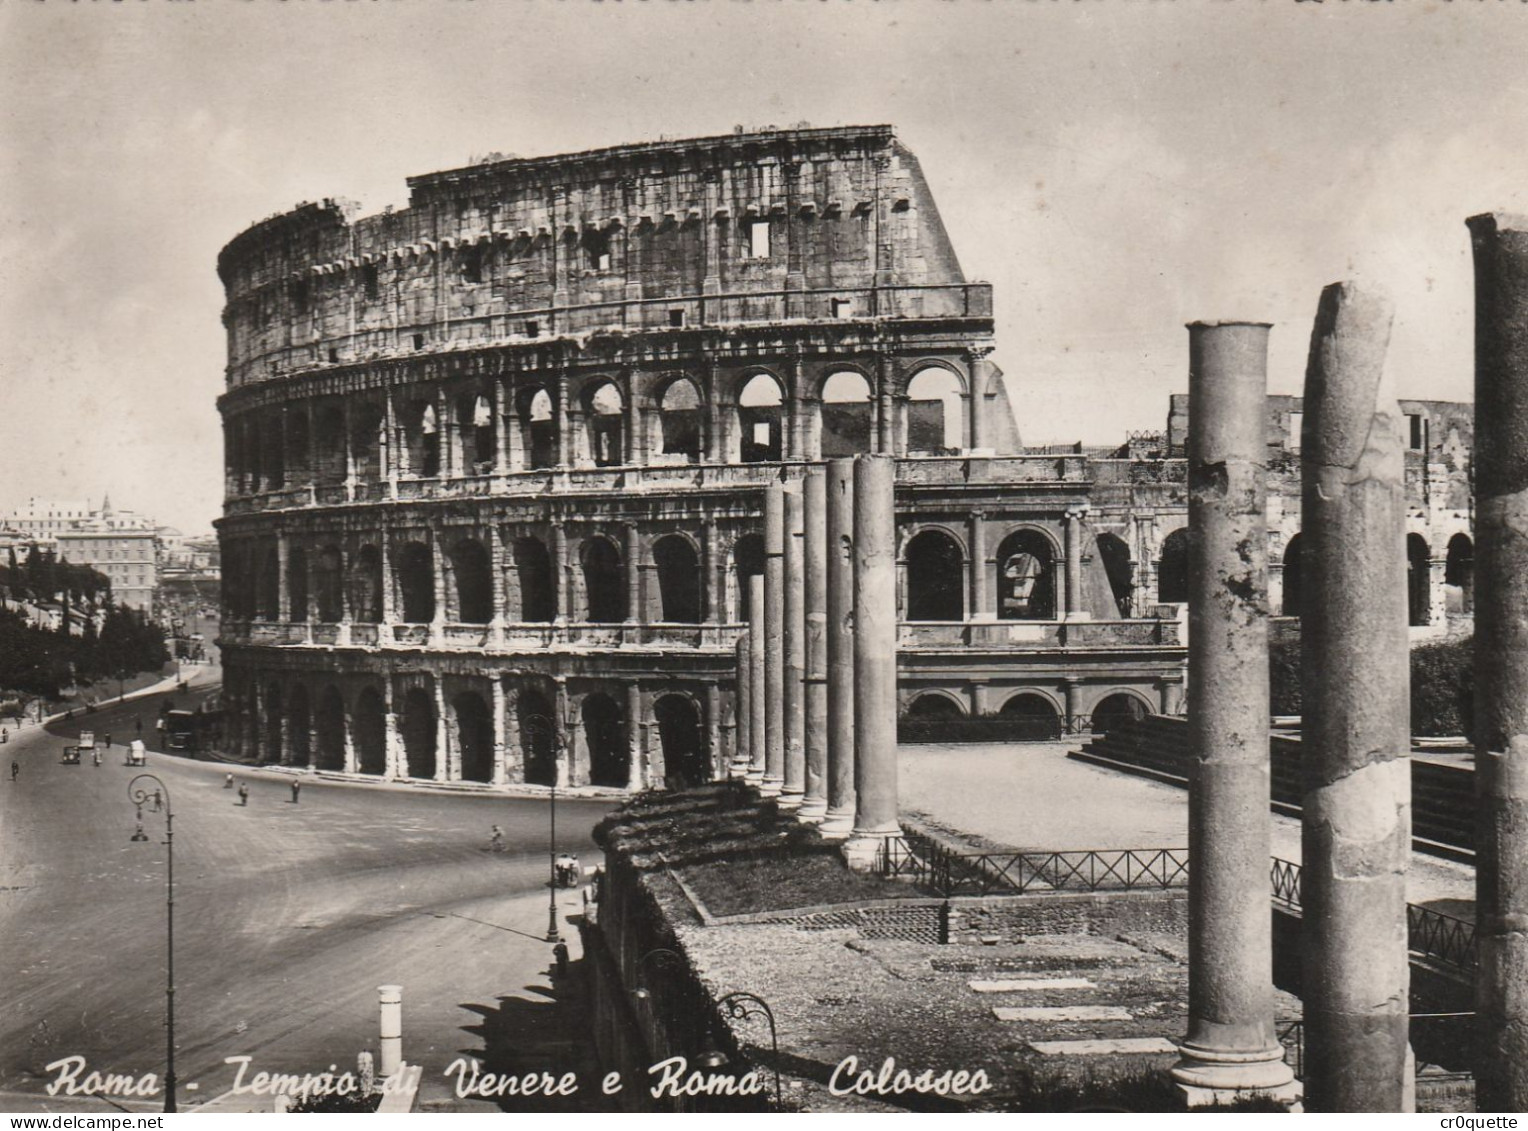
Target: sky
[1115,168]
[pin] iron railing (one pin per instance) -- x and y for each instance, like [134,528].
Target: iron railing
[1443,1042]
[985,873]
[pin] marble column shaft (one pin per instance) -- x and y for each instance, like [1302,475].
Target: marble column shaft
[1501,659]
[758,713]
[875,648]
[1356,741]
[741,710]
[774,639]
[1231,1045]
[815,536]
[794,788]
[840,648]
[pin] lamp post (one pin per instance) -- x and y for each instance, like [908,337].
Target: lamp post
[140,794]
[540,721]
[739,1005]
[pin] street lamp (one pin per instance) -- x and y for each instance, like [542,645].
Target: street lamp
[540,721]
[741,1005]
[138,792]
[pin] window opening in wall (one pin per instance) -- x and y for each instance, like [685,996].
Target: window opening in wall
[1416,432]
[300,295]
[758,239]
[533,329]
[845,415]
[605,426]
[597,249]
[1296,423]
[679,420]
[934,410]
[472,265]
[369,281]
[334,355]
[483,441]
[676,318]
[419,341]
[541,429]
[842,307]
[1026,581]
[759,414]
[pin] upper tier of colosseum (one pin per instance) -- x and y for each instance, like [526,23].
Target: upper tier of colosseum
[775,226]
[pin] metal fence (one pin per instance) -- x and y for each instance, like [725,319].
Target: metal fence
[1443,1043]
[986,873]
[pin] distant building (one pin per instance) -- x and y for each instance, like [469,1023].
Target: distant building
[128,558]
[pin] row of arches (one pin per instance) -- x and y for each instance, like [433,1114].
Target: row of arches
[1037,716]
[430,735]
[430,434]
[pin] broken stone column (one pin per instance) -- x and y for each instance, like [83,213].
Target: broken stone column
[1501,659]
[774,640]
[1231,1048]
[875,660]
[794,789]
[743,743]
[814,806]
[839,489]
[1356,690]
[756,689]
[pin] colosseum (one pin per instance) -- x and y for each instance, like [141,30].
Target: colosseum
[496,460]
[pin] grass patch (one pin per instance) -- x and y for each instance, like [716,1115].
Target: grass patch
[781,882]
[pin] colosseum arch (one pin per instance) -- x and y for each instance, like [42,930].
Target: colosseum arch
[538,738]
[473,574]
[935,704]
[679,579]
[299,453]
[935,416]
[366,585]
[844,415]
[1459,574]
[536,581]
[604,581]
[416,583]
[369,732]
[297,584]
[604,424]
[417,729]
[422,441]
[1418,580]
[538,427]
[760,416]
[268,586]
[605,739]
[329,729]
[1172,569]
[368,434]
[682,738]
[1116,558]
[274,455]
[1026,576]
[936,567]
[1294,577]
[676,426]
[747,562]
[299,727]
[1119,707]
[475,428]
[474,736]
[329,447]
[329,585]
[1035,717]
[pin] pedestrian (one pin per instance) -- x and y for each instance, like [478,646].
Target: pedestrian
[97,755]
[296,788]
[158,802]
[15,771]
[496,841]
[243,794]
[228,782]
[138,724]
[107,736]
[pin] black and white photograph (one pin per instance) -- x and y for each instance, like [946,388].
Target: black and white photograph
[756,556]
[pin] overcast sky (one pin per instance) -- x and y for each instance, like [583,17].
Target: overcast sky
[1115,168]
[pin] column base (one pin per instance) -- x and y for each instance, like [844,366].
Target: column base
[1216,1077]
[791,800]
[837,824]
[813,810]
[864,850]
[771,787]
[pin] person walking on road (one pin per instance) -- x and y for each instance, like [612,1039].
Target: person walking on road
[496,841]
[96,754]
[296,788]
[15,771]
[138,726]
[228,782]
[107,737]
[243,794]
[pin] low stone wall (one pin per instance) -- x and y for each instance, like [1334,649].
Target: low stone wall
[976,920]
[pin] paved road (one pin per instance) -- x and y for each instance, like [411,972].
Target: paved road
[287,916]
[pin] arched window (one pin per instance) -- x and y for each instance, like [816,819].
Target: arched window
[1026,577]
[299,727]
[538,594]
[604,582]
[274,718]
[678,579]
[1172,569]
[297,583]
[605,422]
[423,433]
[254,481]
[685,764]
[845,415]
[366,439]
[935,578]
[759,415]
[1294,577]
[366,586]
[298,456]
[474,736]
[1034,717]
[268,586]
[1116,558]
[679,420]
[370,733]
[1418,579]
[418,730]
[329,447]
[747,562]
[1459,574]
[275,455]
[538,738]
[1116,710]
[416,583]
[474,582]
[934,417]
[331,730]
[538,428]
[605,736]
[329,579]
[475,419]
[933,705]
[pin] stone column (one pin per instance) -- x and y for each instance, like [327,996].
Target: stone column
[635,613]
[716,756]
[394,763]
[758,713]
[438,586]
[742,711]
[976,382]
[710,557]
[1356,820]
[978,567]
[885,421]
[875,660]
[1501,659]
[795,652]
[563,598]
[814,806]
[562,750]
[283,590]
[774,640]
[501,428]
[564,426]
[498,559]
[634,770]
[1230,1048]
[389,587]
[1073,690]
[500,742]
[1076,606]
[839,821]
[444,770]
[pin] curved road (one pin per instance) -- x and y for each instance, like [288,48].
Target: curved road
[287,916]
